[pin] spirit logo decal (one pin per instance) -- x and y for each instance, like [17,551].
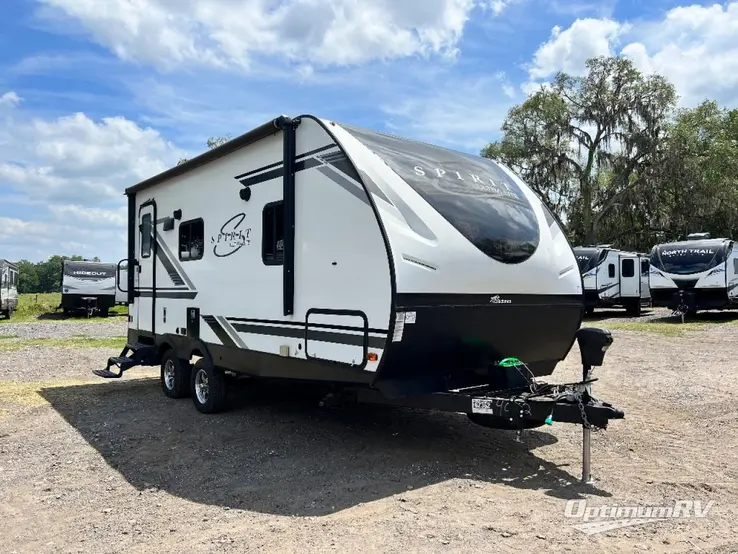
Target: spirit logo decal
[232,237]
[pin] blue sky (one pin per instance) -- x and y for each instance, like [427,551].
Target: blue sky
[96,95]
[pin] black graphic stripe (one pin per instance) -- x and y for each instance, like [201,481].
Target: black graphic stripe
[301,324]
[608,287]
[169,266]
[322,336]
[184,293]
[219,331]
[281,162]
[279,172]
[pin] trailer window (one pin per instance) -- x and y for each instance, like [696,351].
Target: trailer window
[146,235]
[272,242]
[644,267]
[628,268]
[688,259]
[475,195]
[611,271]
[191,240]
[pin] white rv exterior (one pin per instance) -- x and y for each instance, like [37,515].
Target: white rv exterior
[614,277]
[88,286]
[9,277]
[332,253]
[700,273]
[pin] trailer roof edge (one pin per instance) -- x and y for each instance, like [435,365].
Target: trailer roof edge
[261,132]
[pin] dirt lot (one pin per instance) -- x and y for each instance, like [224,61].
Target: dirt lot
[95,467]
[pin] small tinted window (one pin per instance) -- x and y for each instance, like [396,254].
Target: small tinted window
[191,240]
[628,267]
[146,235]
[272,238]
[611,270]
[644,266]
[472,193]
[735,265]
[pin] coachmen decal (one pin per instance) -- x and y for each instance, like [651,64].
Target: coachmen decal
[232,237]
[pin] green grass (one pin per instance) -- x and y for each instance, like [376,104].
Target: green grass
[660,327]
[41,307]
[12,343]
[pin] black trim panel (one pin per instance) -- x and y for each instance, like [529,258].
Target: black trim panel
[420,300]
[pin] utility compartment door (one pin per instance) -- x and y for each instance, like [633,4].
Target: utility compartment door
[630,277]
[340,336]
[144,277]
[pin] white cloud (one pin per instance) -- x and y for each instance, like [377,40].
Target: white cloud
[78,160]
[70,173]
[9,99]
[36,240]
[695,47]
[567,50]
[228,33]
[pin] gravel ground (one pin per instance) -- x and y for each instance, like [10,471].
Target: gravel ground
[93,466]
[114,326]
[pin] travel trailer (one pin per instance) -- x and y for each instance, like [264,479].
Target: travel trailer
[394,271]
[88,287]
[613,278]
[700,273]
[9,276]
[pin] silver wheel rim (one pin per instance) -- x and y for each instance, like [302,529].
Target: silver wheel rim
[169,374]
[202,388]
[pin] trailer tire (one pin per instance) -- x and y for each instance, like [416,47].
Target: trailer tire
[208,387]
[175,375]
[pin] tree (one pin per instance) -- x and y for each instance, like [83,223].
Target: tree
[212,142]
[697,183]
[587,144]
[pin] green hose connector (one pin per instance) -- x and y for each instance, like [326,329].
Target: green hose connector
[549,421]
[509,362]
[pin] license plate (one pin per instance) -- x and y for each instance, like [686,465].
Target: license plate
[483,406]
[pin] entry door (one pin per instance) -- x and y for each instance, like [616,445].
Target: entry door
[731,273]
[630,277]
[645,270]
[144,278]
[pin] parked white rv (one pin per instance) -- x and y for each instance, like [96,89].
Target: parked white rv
[700,273]
[396,271]
[9,277]
[613,277]
[88,287]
